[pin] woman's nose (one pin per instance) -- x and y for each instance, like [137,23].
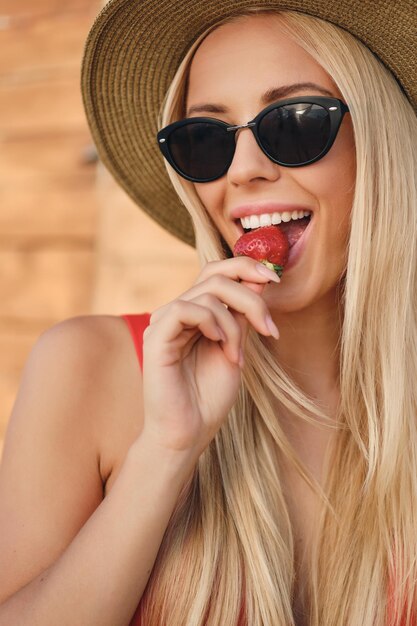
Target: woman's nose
[249,162]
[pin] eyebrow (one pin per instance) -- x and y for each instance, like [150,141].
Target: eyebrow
[272,95]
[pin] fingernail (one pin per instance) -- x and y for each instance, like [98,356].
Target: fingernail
[265,271]
[271,326]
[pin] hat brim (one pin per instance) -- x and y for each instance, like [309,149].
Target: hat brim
[135,47]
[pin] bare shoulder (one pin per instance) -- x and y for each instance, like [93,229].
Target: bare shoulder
[101,361]
[77,411]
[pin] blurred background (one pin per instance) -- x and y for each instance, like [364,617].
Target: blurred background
[71,242]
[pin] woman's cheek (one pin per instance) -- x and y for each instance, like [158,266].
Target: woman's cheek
[212,198]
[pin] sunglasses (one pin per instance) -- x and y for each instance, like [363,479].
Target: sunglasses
[293,132]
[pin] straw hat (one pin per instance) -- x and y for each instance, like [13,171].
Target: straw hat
[135,47]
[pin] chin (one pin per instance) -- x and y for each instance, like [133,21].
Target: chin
[298,295]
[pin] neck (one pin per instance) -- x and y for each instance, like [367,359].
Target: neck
[308,348]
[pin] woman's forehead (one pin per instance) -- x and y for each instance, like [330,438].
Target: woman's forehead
[251,56]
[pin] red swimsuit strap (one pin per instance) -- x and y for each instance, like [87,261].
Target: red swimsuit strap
[137,323]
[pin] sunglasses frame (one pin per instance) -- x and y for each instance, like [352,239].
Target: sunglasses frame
[336,109]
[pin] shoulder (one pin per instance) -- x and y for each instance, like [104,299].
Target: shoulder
[89,341]
[90,350]
[88,365]
[76,413]
[93,332]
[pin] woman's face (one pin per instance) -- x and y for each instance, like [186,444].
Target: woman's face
[231,74]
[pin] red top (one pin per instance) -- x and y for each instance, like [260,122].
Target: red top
[137,324]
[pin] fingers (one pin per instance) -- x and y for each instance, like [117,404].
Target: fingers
[184,322]
[249,272]
[231,329]
[180,322]
[239,268]
[236,296]
[230,306]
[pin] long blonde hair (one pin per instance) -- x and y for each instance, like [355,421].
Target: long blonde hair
[228,550]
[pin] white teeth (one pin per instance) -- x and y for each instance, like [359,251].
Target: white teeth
[266,219]
[254,221]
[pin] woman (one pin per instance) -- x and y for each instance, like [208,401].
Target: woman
[263,471]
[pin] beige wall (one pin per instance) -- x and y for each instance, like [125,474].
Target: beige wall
[71,242]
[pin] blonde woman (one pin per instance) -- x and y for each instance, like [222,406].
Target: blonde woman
[263,469]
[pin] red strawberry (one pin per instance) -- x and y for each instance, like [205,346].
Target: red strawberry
[266,244]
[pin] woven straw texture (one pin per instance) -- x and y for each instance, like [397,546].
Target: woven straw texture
[135,47]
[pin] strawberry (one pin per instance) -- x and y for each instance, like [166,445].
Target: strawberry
[266,244]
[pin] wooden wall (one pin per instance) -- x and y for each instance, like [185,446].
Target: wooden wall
[71,242]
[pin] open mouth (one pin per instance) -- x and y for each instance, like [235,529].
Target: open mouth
[292,229]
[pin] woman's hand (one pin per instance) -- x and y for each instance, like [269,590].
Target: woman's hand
[193,352]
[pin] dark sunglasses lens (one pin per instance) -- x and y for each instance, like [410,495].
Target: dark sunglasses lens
[201,150]
[295,133]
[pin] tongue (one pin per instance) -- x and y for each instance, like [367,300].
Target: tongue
[294,229]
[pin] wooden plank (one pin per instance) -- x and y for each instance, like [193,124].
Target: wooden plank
[48,186]
[46,283]
[41,7]
[51,157]
[14,350]
[138,287]
[16,326]
[46,44]
[55,211]
[130,231]
[45,106]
